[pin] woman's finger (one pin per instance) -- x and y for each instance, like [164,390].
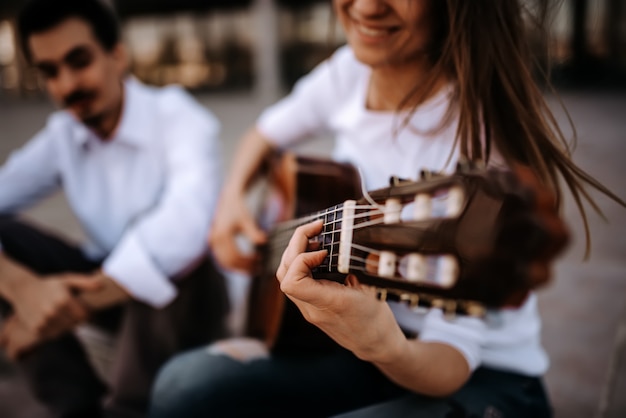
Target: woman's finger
[298,282]
[298,244]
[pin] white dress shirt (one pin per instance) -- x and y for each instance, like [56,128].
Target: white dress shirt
[145,198]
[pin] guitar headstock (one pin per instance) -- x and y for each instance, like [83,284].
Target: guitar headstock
[463,242]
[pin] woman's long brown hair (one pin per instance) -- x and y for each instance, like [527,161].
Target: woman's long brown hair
[484,47]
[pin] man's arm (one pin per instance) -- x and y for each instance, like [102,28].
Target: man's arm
[13,277]
[107,294]
[29,174]
[170,238]
[43,307]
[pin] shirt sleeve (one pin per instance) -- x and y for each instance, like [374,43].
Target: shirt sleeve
[29,174]
[465,334]
[307,109]
[169,239]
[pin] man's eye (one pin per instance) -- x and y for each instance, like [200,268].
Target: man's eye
[48,72]
[80,61]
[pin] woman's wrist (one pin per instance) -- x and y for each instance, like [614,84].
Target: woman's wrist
[392,348]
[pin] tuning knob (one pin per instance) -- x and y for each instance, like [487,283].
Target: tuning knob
[475,309]
[437,303]
[465,165]
[410,299]
[429,174]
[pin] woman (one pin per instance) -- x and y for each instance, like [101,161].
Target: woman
[420,84]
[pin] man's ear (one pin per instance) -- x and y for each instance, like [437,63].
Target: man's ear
[120,54]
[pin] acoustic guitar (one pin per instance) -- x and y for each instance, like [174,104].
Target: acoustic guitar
[459,242]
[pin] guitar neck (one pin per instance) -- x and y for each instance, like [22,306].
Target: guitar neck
[445,241]
[330,239]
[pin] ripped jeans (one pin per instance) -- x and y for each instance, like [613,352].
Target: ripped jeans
[207,383]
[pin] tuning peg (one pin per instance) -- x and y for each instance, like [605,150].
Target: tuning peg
[410,299]
[449,271]
[437,303]
[465,165]
[479,164]
[381,294]
[449,309]
[475,309]
[396,181]
[455,201]
[387,264]
[429,174]
[393,211]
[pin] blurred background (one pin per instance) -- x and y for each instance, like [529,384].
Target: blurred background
[238,56]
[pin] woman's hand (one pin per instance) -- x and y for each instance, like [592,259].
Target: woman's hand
[350,314]
[233,218]
[358,321]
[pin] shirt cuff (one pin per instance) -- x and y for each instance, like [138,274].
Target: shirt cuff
[131,267]
[464,334]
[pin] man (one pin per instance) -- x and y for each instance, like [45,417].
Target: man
[140,169]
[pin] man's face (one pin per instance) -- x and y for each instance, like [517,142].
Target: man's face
[79,73]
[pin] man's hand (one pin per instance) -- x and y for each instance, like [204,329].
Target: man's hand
[16,339]
[49,307]
[109,293]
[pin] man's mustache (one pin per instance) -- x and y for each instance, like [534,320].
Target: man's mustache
[77,96]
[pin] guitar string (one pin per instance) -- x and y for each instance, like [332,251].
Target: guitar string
[280,229]
[355,258]
[281,243]
[289,225]
[373,263]
[352,257]
[287,234]
[430,277]
[306,219]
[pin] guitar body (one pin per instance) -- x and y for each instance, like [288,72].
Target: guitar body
[297,186]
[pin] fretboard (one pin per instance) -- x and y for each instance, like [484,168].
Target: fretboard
[329,239]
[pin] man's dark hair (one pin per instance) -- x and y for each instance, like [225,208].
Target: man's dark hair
[41,15]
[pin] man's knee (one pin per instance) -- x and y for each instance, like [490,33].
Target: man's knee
[9,225]
[15,235]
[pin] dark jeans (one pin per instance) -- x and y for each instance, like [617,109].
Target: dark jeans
[488,394]
[59,371]
[199,384]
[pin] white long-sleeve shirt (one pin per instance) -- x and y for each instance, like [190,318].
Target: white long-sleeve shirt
[145,198]
[332,98]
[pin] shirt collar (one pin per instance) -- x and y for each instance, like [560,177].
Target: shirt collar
[136,126]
